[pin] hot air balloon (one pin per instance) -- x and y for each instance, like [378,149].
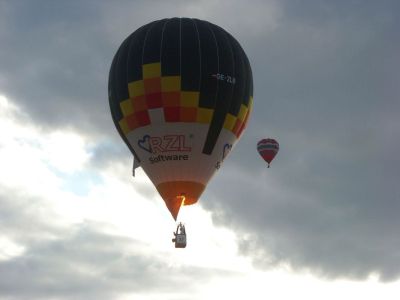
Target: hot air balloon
[268,148]
[180,94]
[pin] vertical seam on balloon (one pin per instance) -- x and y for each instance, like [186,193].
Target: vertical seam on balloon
[129,54]
[180,48]
[162,39]
[216,45]
[250,79]
[198,40]
[144,43]
[245,73]
[161,48]
[233,72]
[216,90]
[240,62]
[200,166]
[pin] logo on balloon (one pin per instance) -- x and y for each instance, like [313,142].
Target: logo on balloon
[161,145]
[144,143]
[225,151]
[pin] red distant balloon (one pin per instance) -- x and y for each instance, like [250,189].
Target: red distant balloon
[268,148]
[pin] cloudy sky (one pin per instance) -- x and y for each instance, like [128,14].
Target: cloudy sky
[321,222]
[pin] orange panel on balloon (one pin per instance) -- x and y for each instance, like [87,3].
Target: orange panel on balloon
[172,191]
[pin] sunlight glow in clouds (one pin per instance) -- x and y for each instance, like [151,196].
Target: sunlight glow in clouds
[39,163]
[9,249]
[30,155]
[65,151]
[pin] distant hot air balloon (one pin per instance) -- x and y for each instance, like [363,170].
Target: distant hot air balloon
[180,93]
[268,148]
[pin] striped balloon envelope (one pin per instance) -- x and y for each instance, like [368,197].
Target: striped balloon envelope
[268,148]
[180,93]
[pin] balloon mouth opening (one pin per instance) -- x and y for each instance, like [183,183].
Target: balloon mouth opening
[179,193]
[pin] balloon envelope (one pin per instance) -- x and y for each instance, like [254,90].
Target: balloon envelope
[180,93]
[268,148]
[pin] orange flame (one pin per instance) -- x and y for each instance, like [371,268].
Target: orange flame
[183,197]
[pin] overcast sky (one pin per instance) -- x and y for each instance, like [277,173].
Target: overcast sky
[323,221]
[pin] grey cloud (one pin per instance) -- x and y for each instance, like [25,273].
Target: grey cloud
[55,63]
[88,265]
